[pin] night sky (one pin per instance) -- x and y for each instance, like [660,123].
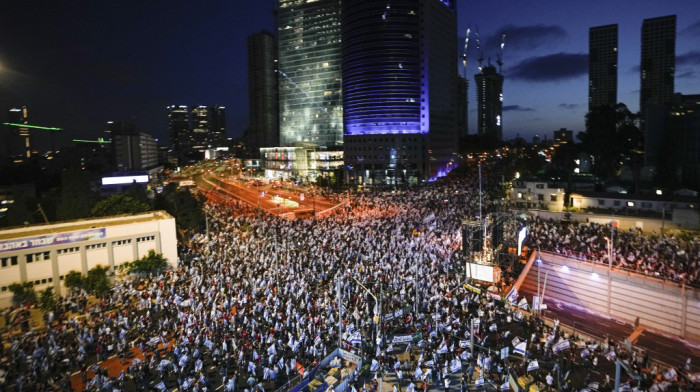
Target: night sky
[78,64]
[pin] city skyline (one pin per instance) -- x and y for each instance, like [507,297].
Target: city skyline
[78,66]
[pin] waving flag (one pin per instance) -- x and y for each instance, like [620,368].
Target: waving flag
[251,367]
[443,347]
[493,328]
[272,350]
[183,360]
[318,340]
[411,387]
[418,373]
[160,386]
[456,366]
[670,374]
[255,355]
[533,365]
[505,386]
[523,303]
[520,348]
[209,344]
[561,346]
[464,355]
[518,316]
[512,295]
[477,322]
[430,363]
[355,338]
[375,366]
[479,382]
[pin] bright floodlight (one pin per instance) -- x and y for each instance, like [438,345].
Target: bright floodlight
[124,180]
[521,237]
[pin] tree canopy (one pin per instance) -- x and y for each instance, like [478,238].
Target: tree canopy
[119,204]
[152,262]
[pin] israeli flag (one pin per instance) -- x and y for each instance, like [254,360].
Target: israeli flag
[266,373]
[464,355]
[295,346]
[430,363]
[610,355]
[272,350]
[512,295]
[160,386]
[561,346]
[198,365]
[186,384]
[505,386]
[251,367]
[355,338]
[477,322]
[479,382]
[585,353]
[443,347]
[418,373]
[670,374]
[411,387]
[255,355]
[375,366]
[456,366]
[533,365]
[520,348]
[182,361]
[493,328]
[195,354]
[463,343]
[515,341]
[209,344]
[518,316]
[523,304]
[390,348]
[318,340]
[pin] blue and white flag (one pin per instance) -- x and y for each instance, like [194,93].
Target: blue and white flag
[272,350]
[520,348]
[463,343]
[209,344]
[515,341]
[318,340]
[585,353]
[411,387]
[198,365]
[251,367]
[505,386]
[186,384]
[512,295]
[295,346]
[479,382]
[464,355]
[255,355]
[455,366]
[160,386]
[355,338]
[610,355]
[195,354]
[523,304]
[375,366]
[418,373]
[443,347]
[670,374]
[533,365]
[430,363]
[477,322]
[493,328]
[390,348]
[561,346]
[518,316]
[182,360]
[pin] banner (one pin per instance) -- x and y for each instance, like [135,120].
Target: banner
[51,239]
[402,338]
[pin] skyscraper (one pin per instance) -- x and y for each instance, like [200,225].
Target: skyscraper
[399,89]
[19,143]
[178,125]
[309,78]
[489,100]
[263,130]
[657,69]
[131,149]
[602,66]
[462,107]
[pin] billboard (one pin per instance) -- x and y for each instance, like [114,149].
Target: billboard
[51,239]
[481,272]
[142,179]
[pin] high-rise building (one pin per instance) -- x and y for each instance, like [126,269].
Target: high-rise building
[263,130]
[19,140]
[178,125]
[462,107]
[489,100]
[657,70]
[399,90]
[310,100]
[602,66]
[132,150]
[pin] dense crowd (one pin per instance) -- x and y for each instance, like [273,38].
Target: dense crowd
[669,256]
[255,305]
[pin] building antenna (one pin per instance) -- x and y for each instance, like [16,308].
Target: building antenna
[499,60]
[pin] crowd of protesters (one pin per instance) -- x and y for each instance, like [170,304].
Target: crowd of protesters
[670,256]
[255,304]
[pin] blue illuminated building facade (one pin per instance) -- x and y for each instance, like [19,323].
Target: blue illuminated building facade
[399,79]
[310,101]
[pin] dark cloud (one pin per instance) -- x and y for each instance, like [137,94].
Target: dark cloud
[693,29]
[517,108]
[690,58]
[568,105]
[525,37]
[686,75]
[551,67]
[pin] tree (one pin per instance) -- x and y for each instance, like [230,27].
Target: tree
[47,299]
[611,138]
[73,280]
[119,204]
[151,263]
[23,293]
[183,205]
[97,282]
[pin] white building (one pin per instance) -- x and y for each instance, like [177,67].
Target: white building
[633,203]
[44,254]
[536,194]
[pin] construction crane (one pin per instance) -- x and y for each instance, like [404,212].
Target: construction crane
[464,54]
[478,47]
[500,54]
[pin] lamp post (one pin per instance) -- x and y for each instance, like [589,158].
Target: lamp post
[376,301]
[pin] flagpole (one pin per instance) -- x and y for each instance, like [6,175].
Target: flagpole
[340,313]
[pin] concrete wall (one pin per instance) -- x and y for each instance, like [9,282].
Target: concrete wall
[661,305]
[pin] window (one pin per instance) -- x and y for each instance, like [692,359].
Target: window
[147,238]
[121,242]
[540,197]
[539,186]
[95,246]
[68,250]
[616,203]
[601,202]
[8,261]
[553,197]
[4,288]
[38,257]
